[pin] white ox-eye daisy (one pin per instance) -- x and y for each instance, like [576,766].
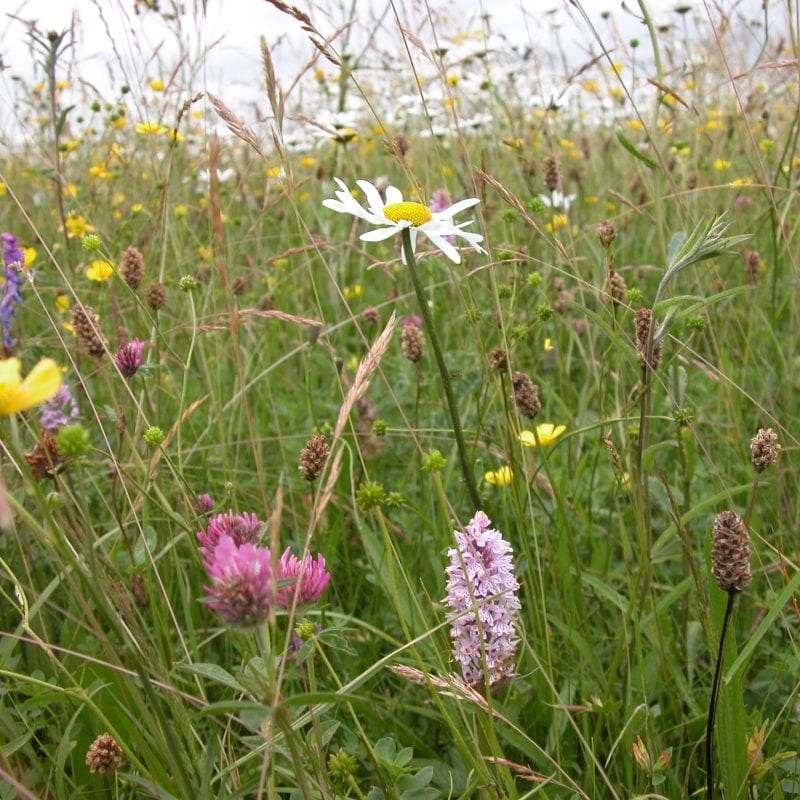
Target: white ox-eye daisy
[395,215]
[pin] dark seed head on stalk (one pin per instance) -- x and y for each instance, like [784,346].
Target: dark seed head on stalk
[730,552]
[764,449]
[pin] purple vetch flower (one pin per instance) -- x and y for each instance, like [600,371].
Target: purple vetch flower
[240,528]
[128,357]
[10,295]
[311,576]
[59,410]
[480,578]
[241,582]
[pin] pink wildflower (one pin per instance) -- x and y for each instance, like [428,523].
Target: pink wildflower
[241,582]
[128,357]
[241,528]
[310,579]
[480,578]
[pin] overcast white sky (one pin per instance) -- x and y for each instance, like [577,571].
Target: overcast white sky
[109,32]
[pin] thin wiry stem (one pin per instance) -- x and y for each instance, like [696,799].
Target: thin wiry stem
[452,406]
[712,706]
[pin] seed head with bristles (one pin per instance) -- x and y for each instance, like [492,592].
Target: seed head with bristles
[606,233]
[730,552]
[617,289]
[87,330]
[131,267]
[526,395]
[643,320]
[764,449]
[412,342]
[498,359]
[155,295]
[551,173]
[313,457]
[104,755]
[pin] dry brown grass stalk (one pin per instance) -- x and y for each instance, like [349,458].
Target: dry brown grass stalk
[223,322]
[235,125]
[367,367]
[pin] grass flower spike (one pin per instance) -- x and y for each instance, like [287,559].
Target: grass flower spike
[395,214]
[17,394]
[480,578]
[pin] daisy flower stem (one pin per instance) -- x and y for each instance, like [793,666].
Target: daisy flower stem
[452,406]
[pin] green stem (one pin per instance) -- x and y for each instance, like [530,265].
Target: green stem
[712,706]
[455,419]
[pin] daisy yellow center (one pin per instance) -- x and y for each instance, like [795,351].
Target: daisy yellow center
[415,213]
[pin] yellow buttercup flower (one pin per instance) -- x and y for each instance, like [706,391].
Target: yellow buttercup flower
[77,227]
[499,477]
[558,222]
[62,302]
[546,433]
[30,255]
[149,128]
[352,292]
[99,271]
[721,164]
[16,394]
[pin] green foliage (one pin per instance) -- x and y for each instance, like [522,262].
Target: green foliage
[261,311]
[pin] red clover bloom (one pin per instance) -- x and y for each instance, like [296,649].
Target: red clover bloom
[128,357]
[311,576]
[480,578]
[241,528]
[241,582]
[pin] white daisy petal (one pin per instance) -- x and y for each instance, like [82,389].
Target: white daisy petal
[444,246]
[451,211]
[393,195]
[379,234]
[374,201]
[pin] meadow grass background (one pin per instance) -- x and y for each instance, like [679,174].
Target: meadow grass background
[272,305]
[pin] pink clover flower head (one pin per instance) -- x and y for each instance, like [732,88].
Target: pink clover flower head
[241,528]
[128,357]
[412,319]
[203,503]
[481,596]
[241,582]
[309,579]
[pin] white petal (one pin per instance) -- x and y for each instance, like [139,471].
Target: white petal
[444,246]
[451,211]
[393,195]
[374,201]
[379,234]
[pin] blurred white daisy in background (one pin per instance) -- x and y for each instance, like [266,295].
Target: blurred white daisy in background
[395,214]
[557,200]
